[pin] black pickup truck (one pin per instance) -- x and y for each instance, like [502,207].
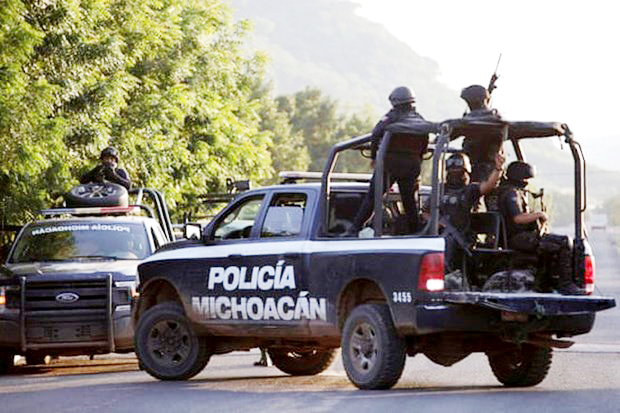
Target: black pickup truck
[275,269]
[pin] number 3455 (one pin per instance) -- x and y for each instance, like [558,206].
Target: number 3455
[401,297]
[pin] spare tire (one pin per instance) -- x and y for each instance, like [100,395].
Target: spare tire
[97,195]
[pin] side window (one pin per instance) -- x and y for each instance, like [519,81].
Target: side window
[238,222]
[284,216]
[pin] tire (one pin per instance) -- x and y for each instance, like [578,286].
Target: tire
[6,361]
[97,195]
[301,363]
[522,367]
[372,353]
[36,358]
[167,346]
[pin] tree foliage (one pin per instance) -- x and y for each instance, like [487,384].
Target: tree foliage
[165,81]
[321,124]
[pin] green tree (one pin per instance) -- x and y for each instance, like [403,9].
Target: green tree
[163,80]
[317,117]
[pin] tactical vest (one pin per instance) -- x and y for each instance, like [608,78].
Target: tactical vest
[504,191]
[453,205]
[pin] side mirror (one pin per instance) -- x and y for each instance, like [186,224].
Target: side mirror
[192,231]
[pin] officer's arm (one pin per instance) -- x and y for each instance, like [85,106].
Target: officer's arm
[118,176]
[529,217]
[377,135]
[90,176]
[491,182]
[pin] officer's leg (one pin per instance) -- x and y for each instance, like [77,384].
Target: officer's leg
[407,183]
[558,246]
[365,210]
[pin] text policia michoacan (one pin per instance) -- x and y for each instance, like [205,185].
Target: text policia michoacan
[264,278]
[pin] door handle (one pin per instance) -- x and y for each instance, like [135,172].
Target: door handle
[235,257]
[292,255]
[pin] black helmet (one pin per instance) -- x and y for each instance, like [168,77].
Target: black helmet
[519,171]
[458,161]
[476,95]
[401,95]
[109,151]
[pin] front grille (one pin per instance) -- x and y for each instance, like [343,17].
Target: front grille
[66,312]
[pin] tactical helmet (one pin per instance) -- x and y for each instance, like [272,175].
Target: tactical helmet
[519,171]
[109,151]
[475,93]
[458,161]
[401,95]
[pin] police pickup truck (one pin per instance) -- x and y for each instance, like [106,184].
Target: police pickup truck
[275,269]
[69,281]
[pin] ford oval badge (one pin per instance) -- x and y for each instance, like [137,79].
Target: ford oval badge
[67,298]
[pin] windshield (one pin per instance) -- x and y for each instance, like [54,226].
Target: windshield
[73,241]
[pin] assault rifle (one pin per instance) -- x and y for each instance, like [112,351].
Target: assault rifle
[494,77]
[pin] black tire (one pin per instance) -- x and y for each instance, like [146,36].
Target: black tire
[372,353]
[6,361]
[97,195]
[521,367]
[301,363]
[36,358]
[167,346]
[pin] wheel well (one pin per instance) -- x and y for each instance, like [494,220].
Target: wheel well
[358,292]
[156,292]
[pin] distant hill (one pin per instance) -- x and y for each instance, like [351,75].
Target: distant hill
[324,44]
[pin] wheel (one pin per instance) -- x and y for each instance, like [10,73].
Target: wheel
[522,367]
[36,358]
[97,195]
[372,353]
[6,361]
[167,346]
[301,363]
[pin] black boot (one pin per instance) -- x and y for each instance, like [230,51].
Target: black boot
[264,358]
[566,285]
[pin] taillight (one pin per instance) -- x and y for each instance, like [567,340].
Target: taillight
[589,274]
[431,272]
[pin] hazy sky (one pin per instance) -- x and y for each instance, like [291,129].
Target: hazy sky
[560,59]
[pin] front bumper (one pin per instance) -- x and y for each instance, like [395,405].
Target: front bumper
[67,336]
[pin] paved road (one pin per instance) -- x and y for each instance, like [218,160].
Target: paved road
[583,378]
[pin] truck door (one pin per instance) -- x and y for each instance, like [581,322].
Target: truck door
[256,269]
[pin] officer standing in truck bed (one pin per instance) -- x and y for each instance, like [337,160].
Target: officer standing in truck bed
[402,161]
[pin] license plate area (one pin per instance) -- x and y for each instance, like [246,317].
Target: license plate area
[63,333]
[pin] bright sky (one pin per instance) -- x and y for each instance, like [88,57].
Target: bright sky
[560,59]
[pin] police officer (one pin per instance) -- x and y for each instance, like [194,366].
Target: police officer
[107,170]
[524,228]
[402,161]
[481,148]
[459,198]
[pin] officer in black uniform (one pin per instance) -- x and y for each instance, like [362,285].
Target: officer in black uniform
[107,170]
[459,198]
[481,148]
[402,161]
[525,232]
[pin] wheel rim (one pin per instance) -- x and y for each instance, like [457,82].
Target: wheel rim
[513,361]
[169,343]
[364,347]
[94,191]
